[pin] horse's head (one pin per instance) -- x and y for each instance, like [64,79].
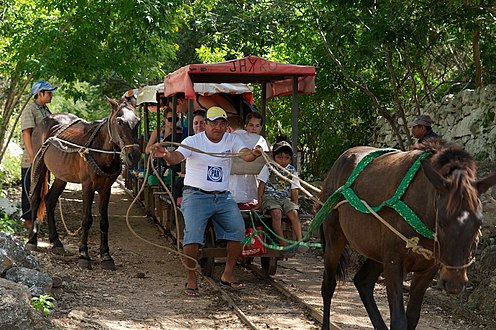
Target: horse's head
[123,126]
[458,216]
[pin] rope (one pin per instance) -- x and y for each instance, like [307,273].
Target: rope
[261,233]
[58,143]
[70,233]
[411,243]
[176,251]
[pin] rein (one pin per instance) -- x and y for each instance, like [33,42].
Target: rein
[112,137]
[436,243]
[83,151]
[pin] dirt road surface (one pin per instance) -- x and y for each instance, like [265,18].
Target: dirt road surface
[147,289]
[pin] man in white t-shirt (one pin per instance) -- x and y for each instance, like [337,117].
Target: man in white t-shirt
[244,187]
[206,194]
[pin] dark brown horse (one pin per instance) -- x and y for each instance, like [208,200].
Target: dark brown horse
[74,150]
[444,196]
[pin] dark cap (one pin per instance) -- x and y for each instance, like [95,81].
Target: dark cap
[282,145]
[423,120]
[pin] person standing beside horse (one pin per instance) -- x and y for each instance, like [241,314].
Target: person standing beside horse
[31,116]
[206,194]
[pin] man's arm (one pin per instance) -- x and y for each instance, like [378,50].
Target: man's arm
[250,155]
[28,143]
[172,157]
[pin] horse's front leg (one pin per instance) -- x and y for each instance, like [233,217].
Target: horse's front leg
[106,259]
[88,197]
[393,277]
[420,283]
[51,199]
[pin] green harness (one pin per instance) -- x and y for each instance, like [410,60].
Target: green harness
[394,202]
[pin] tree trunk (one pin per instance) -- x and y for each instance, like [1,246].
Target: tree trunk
[477,58]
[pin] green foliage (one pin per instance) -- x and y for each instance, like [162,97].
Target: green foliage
[43,303]
[113,45]
[10,170]
[11,225]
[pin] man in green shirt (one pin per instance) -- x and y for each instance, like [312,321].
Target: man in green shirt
[31,116]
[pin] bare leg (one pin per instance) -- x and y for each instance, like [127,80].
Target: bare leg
[295,224]
[276,215]
[233,252]
[191,250]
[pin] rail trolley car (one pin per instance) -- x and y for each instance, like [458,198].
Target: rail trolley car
[194,80]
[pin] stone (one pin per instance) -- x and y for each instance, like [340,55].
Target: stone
[483,296]
[38,283]
[14,248]
[16,310]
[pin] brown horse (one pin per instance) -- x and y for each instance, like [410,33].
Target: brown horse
[74,150]
[444,196]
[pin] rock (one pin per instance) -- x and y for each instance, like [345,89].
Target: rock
[483,296]
[5,262]
[16,310]
[38,283]
[14,249]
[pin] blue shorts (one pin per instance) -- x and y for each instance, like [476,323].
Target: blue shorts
[198,207]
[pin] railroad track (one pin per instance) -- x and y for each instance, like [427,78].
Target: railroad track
[271,305]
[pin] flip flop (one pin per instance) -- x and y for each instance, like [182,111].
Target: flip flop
[233,285]
[192,292]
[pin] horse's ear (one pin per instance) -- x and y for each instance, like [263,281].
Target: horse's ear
[440,183]
[112,102]
[483,185]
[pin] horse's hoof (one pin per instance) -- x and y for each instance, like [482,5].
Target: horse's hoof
[108,264]
[31,247]
[84,263]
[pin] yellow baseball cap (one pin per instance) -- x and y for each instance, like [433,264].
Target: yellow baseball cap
[214,113]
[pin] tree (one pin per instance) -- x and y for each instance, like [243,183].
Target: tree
[80,40]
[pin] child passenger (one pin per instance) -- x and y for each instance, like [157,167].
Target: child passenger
[277,195]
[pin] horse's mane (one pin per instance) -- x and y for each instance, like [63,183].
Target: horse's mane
[457,166]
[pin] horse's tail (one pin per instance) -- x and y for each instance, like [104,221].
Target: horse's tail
[341,270]
[44,190]
[39,187]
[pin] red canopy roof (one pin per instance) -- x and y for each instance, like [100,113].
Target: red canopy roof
[251,69]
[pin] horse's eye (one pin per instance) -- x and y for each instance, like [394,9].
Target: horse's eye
[120,121]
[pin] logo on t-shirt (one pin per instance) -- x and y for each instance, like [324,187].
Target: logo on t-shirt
[214,173]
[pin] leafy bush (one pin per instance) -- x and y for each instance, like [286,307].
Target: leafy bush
[10,169]
[43,303]
[10,225]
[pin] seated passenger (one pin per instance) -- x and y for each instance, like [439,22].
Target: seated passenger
[198,127]
[165,132]
[244,188]
[253,123]
[198,121]
[165,135]
[274,193]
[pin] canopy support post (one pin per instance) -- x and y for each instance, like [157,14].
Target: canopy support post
[263,105]
[294,122]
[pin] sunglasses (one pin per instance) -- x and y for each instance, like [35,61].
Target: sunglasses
[169,119]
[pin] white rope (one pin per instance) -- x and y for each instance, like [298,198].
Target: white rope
[411,243]
[53,138]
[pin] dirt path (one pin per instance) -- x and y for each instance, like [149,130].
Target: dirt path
[146,290]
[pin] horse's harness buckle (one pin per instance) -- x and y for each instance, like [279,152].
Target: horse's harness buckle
[83,152]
